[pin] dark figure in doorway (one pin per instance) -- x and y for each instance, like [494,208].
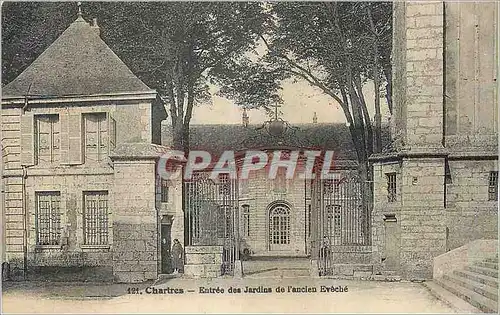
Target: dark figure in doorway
[177,257]
[324,256]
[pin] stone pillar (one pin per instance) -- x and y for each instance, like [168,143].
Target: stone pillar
[422,216]
[422,219]
[424,75]
[203,261]
[135,234]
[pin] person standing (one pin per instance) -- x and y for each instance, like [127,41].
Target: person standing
[177,257]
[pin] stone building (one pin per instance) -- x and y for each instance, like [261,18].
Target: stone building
[437,189]
[80,136]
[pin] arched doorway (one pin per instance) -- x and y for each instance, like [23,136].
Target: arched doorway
[279,227]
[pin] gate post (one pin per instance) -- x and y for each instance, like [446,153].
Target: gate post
[315,204]
[238,267]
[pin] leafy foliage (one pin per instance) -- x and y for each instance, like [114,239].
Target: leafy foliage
[337,47]
[183,49]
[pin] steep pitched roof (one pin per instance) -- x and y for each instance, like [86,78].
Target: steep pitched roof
[77,63]
[218,138]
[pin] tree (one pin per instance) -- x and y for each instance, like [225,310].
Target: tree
[337,47]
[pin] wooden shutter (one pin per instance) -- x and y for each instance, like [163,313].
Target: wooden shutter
[75,138]
[27,139]
[111,132]
[65,127]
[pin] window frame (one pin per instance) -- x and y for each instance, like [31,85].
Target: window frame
[224,183]
[50,212]
[55,154]
[164,190]
[102,229]
[493,186]
[391,187]
[101,154]
[245,210]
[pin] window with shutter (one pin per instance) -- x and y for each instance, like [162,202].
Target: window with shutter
[112,132]
[27,137]
[47,139]
[96,137]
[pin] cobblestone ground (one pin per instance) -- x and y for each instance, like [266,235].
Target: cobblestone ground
[361,296]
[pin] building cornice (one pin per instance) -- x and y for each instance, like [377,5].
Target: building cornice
[35,100]
[435,153]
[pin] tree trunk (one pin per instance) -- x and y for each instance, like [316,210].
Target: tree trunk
[378,116]
[364,109]
[388,87]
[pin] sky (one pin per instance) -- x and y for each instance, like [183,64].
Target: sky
[301,100]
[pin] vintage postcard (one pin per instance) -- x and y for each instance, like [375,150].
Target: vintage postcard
[249,157]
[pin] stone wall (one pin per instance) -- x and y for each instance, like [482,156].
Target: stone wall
[471,101]
[135,221]
[12,225]
[133,122]
[424,75]
[203,261]
[422,225]
[259,192]
[382,209]
[72,252]
[469,213]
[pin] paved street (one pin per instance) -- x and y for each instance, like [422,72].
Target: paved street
[361,296]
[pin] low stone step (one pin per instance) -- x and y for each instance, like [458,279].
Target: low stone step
[487,264]
[491,281]
[481,302]
[483,289]
[449,298]
[493,260]
[484,271]
[279,273]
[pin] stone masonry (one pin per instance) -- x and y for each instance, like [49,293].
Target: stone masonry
[441,185]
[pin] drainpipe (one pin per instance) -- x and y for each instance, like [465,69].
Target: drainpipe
[24,204]
[25,223]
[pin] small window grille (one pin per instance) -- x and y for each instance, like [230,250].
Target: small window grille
[164,190]
[224,184]
[391,187]
[246,220]
[95,223]
[493,186]
[48,218]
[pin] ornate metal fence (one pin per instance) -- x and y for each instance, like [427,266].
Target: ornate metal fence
[211,215]
[340,216]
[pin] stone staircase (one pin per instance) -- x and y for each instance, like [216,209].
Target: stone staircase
[476,284]
[276,267]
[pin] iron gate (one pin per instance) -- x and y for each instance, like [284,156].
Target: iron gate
[211,215]
[340,216]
